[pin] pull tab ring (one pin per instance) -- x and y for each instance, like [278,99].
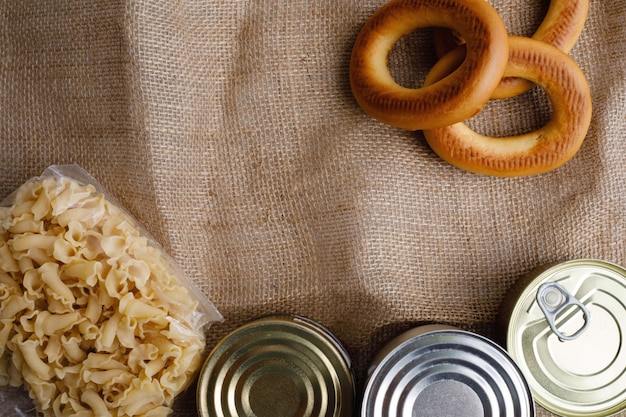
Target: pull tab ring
[552,299]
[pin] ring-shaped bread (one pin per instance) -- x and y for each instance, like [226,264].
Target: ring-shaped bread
[560,27]
[452,99]
[535,152]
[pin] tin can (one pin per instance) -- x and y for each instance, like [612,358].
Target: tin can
[443,371]
[564,326]
[279,366]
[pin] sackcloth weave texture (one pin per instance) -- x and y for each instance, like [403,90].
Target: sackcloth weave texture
[228,128]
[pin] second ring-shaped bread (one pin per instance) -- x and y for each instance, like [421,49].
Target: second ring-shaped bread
[452,99]
[535,152]
[561,27]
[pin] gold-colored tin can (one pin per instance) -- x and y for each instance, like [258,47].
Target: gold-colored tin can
[565,327]
[439,370]
[279,366]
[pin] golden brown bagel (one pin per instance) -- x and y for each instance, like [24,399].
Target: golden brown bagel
[563,23]
[532,153]
[452,99]
[561,27]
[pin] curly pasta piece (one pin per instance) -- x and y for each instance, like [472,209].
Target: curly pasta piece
[49,324]
[54,285]
[32,358]
[7,262]
[97,404]
[14,305]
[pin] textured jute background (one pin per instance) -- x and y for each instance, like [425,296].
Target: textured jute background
[229,129]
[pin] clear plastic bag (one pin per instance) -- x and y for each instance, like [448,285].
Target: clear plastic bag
[94,314]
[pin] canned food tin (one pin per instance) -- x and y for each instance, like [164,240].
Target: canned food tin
[279,366]
[445,372]
[565,328]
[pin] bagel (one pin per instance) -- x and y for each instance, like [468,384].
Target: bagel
[535,152]
[452,99]
[561,27]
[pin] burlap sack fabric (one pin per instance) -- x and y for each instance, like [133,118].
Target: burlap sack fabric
[228,128]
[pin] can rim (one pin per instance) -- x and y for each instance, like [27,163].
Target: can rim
[328,348]
[518,308]
[515,371]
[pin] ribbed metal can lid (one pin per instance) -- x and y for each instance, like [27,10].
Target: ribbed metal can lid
[279,366]
[566,331]
[452,373]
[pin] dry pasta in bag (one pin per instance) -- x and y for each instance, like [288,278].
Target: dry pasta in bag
[95,318]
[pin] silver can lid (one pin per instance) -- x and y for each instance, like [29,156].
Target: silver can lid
[566,331]
[451,373]
[279,366]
